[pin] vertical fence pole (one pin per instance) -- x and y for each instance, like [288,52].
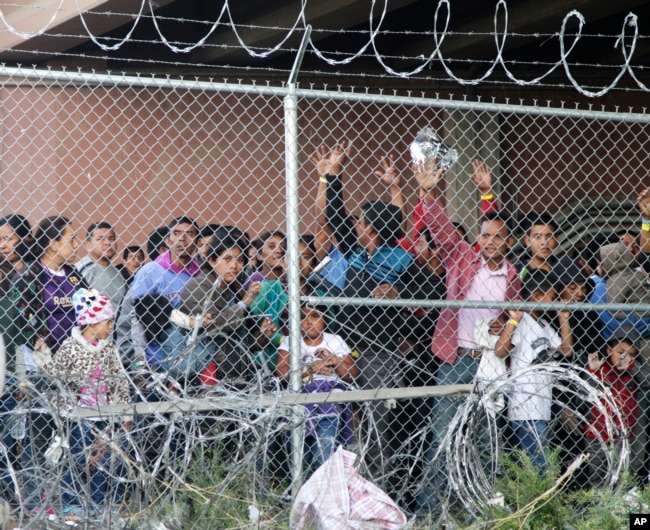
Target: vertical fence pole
[293,254]
[3,360]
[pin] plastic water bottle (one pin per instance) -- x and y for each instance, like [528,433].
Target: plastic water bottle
[18,427]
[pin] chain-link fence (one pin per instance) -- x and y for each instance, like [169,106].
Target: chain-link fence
[291,248]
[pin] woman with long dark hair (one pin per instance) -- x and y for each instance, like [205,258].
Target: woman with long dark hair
[16,244]
[44,289]
[219,293]
[43,294]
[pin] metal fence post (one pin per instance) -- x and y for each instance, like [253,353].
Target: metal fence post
[293,254]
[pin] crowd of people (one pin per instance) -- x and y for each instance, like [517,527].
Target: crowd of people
[210,306]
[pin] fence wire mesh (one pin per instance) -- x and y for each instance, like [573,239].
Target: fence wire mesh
[169,198]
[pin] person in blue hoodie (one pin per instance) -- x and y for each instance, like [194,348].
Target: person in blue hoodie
[621,282]
[165,276]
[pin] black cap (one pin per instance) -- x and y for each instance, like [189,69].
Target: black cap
[385,219]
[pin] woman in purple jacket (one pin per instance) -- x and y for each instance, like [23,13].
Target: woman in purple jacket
[44,290]
[43,295]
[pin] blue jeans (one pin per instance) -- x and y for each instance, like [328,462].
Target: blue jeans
[322,444]
[433,490]
[181,360]
[531,436]
[92,467]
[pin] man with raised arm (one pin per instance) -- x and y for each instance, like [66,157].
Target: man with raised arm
[374,267]
[482,273]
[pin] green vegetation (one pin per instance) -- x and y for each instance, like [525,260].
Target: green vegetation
[541,501]
[215,497]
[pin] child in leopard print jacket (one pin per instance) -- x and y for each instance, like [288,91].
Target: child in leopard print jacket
[91,374]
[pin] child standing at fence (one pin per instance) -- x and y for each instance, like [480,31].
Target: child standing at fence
[615,372]
[273,246]
[327,365]
[91,375]
[529,339]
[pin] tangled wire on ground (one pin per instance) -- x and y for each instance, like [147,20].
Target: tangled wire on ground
[473,457]
[187,461]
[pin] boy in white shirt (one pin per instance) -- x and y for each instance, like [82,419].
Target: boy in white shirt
[528,338]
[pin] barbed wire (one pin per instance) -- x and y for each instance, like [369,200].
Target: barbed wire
[157,454]
[626,40]
[315,31]
[466,448]
[170,446]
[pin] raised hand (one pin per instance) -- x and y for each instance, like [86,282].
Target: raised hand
[339,156]
[643,202]
[252,292]
[332,162]
[624,362]
[321,159]
[389,175]
[594,361]
[268,328]
[481,176]
[427,175]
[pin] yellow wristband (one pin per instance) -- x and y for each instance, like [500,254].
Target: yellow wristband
[487,197]
[322,179]
[645,227]
[514,322]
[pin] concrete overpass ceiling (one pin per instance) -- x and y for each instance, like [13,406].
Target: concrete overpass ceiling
[340,28]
